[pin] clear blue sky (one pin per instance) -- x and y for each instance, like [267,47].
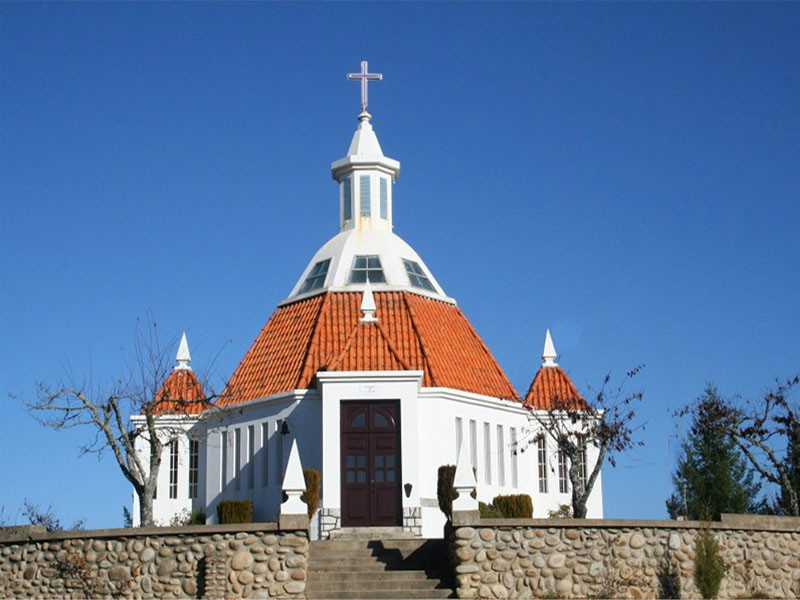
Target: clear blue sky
[625,174]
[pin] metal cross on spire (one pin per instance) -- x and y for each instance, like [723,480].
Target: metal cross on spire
[365,76]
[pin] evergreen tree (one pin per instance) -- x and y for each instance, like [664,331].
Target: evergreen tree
[712,476]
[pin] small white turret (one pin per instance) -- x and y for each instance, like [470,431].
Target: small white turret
[183,357]
[368,305]
[549,354]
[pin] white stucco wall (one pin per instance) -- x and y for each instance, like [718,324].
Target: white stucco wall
[428,440]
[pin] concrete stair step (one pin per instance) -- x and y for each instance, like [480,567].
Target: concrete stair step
[371,567]
[363,544]
[384,557]
[371,533]
[350,586]
[381,594]
[386,562]
[378,577]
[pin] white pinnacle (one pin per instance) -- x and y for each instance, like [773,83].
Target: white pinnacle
[183,357]
[549,352]
[368,305]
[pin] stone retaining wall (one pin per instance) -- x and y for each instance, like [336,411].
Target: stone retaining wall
[213,561]
[521,558]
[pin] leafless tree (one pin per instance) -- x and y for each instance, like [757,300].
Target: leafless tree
[574,424]
[768,433]
[106,411]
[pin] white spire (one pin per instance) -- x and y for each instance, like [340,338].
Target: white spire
[368,305]
[549,354]
[183,357]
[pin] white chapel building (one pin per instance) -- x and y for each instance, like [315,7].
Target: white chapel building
[376,374]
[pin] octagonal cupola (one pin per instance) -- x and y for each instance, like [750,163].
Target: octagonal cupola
[366,248]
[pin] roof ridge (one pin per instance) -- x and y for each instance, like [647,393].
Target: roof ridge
[336,359]
[311,340]
[413,318]
[392,346]
[488,353]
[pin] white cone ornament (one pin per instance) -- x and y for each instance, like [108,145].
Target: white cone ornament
[294,484]
[464,483]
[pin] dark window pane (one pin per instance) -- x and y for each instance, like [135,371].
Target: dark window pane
[390,460]
[362,461]
[361,477]
[360,420]
[379,461]
[351,477]
[379,476]
[390,476]
[351,461]
[361,262]
[380,420]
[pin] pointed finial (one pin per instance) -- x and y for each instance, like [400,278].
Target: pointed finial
[464,482]
[549,354]
[368,305]
[183,357]
[294,484]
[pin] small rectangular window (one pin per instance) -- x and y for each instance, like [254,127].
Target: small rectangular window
[278,451]
[541,452]
[514,451]
[237,458]
[194,467]
[459,435]
[417,276]
[223,459]
[384,198]
[563,477]
[487,453]
[265,451]
[173,469]
[473,444]
[582,460]
[347,198]
[364,195]
[316,277]
[501,457]
[251,455]
[367,266]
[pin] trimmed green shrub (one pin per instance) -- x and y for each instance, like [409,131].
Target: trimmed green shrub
[709,567]
[514,506]
[198,517]
[445,492]
[311,495]
[488,511]
[235,511]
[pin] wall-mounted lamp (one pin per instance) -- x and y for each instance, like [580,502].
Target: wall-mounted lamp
[284,427]
[407,487]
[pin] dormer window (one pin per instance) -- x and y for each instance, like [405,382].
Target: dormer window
[417,276]
[364,195]
[367,266]
[347,199]
[316,278]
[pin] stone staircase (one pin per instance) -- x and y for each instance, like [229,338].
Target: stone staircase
[379,568]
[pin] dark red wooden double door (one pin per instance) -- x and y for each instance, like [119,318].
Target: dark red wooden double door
[370,449]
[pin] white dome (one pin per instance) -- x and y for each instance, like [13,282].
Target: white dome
[393,253]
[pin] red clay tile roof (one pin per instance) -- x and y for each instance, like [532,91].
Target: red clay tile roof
[181,393]
[323,332]
[551,385]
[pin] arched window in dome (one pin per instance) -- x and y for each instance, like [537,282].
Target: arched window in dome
[367,266]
